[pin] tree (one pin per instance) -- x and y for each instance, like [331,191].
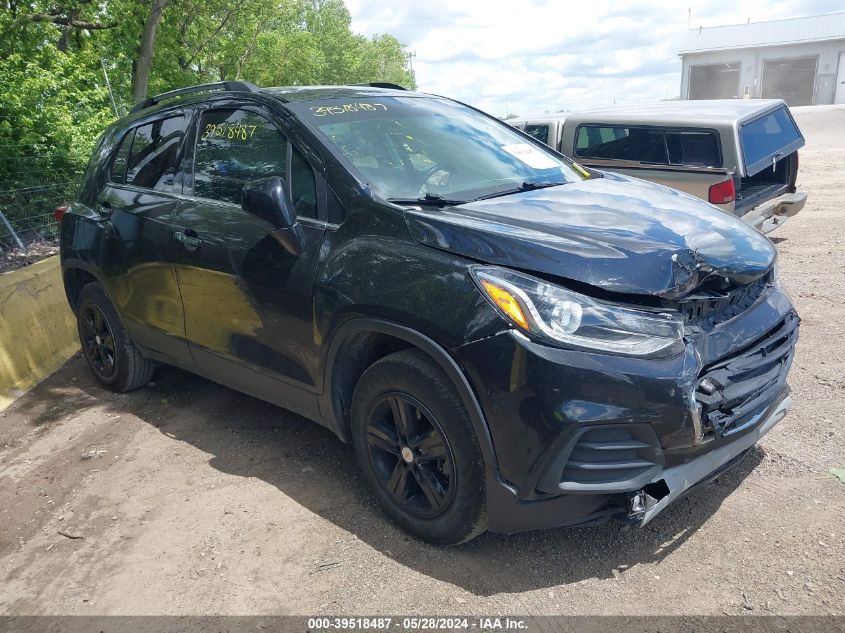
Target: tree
[141,76]
[54,102]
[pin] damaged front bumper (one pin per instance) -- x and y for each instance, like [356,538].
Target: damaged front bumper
[773,214]
[508,514]
[676,481]
[581,437]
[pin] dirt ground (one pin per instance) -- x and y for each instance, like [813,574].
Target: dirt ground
[189,498]
[35,252]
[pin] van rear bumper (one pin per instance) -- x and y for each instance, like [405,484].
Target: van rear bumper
[773,213]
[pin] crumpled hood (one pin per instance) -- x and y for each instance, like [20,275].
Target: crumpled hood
[620,234]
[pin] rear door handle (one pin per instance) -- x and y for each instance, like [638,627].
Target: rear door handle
[188,239]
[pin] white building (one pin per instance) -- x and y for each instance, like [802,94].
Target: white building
[800,60]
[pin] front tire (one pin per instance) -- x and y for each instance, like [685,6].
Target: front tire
[417,449]
[111,355]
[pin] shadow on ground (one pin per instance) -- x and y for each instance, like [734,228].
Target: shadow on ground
[249,438]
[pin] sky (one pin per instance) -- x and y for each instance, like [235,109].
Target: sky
[532,56]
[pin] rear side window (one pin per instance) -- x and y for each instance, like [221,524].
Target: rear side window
[699,149]
[152,160]
[655,146]
[540,132]
[643,145]
[233,148]
[117,169]
[773,135]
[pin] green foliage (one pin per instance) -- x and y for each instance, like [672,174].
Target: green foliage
[53,98]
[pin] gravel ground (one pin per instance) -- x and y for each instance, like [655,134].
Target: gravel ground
[189,498]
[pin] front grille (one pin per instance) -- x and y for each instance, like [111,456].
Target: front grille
[734,392]
[612,456]
[706,312]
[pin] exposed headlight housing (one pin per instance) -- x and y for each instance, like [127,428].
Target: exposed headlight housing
[555,315]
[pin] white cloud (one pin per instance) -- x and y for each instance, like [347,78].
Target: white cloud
[537,56]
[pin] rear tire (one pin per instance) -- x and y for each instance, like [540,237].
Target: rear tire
[112,356]
[415,444]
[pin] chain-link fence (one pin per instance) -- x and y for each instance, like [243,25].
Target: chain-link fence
[26,213]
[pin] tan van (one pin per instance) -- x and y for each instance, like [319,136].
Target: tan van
[739,155]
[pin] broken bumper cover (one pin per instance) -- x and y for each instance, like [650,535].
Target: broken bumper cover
[576,434]
[508,514]
[773,214]
[681,478]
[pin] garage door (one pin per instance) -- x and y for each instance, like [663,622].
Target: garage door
[714,81]
[792,80]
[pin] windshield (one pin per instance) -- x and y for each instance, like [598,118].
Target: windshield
[411,148]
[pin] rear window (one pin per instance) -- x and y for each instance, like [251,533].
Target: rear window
[773,135]
[653,146]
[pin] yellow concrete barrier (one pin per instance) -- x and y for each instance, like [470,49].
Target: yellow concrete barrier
[37,327]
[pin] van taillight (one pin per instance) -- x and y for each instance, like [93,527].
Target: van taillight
[60,211]
[722,192]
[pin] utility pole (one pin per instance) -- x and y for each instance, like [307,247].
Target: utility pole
[108,84]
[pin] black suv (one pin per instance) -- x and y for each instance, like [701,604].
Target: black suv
[508,340]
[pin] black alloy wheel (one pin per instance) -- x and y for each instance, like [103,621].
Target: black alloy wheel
[415,443]
[98,341]
[411,455]
[112,356]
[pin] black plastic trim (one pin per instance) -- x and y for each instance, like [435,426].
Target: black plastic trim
[641,439]
[383,84]
[234,86]
[357,325]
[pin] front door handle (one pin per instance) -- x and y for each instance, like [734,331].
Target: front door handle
[104,208]
[189,241]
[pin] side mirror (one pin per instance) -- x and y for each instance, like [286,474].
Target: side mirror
[267,199]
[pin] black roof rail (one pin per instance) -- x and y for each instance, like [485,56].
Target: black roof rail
[237,86]
[382,84]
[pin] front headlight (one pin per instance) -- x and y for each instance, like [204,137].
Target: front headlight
[557,315]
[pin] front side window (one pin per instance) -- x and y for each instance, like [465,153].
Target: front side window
[303,186]
[409,148]
[234,147]
[152,160]
[540,132]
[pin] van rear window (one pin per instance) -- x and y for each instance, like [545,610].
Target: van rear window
[773,135]
[649,145]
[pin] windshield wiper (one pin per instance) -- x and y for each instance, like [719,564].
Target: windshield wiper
[525,186]
[428,198]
